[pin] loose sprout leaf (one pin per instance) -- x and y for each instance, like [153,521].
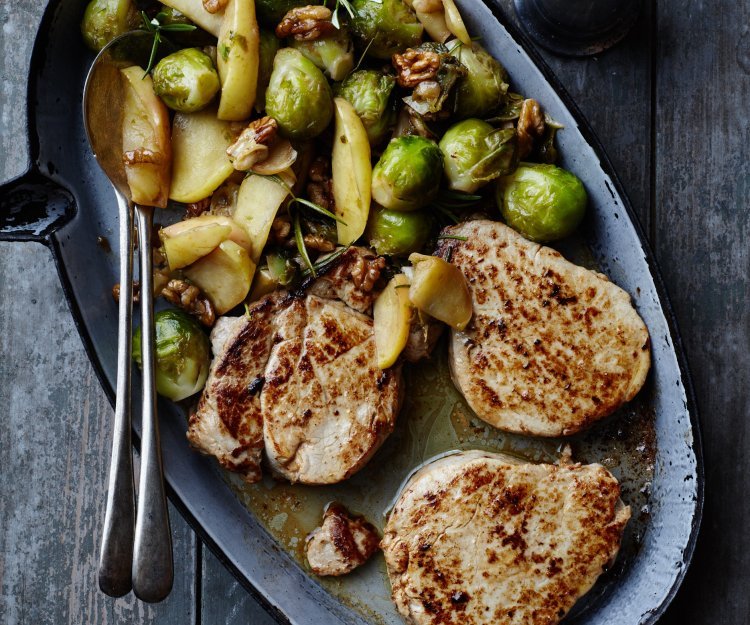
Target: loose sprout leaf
[299,239]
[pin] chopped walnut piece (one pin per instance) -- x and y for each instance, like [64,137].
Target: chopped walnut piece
[194,209]
[319,243]
[530,126]
[414,66]
[366,272]
[142,156]
[320,187]
[306,23]
[136,291]
[252,146]
[214,6]
[281,229]
[191,299]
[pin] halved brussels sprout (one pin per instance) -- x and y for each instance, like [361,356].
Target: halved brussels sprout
[298,96]
[385,27]
[397,233]
[182,354]
[103,20]
[483,89]
[334,54]
[407,176]
[542,202]
[369,92]
[475,153]
[186,81]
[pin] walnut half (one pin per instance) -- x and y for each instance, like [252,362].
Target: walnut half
[415,66]
[253,144]
[191,299]
[306,23]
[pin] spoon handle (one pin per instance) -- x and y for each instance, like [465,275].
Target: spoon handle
[116,557]
[153,571]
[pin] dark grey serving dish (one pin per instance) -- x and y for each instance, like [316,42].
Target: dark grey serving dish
[64,201]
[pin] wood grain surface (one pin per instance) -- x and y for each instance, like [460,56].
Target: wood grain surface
[670,106]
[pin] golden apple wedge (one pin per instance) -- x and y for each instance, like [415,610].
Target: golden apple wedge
[237,56]
[352,172]
[391,320]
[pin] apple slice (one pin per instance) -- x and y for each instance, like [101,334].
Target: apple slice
[237,58]
[187,241]
[224,275]
[439,289]
[146,146]
[200,162]
[391,320]
[210,22]
[455,22]
[258,201]
[352,172]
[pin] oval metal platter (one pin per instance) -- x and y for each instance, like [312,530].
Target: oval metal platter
[652,445]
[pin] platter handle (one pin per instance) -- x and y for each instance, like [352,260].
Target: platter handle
[32,207]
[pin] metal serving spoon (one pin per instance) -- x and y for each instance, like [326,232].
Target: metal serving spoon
[137,556]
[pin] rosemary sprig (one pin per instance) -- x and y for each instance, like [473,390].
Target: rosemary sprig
[324,262]
[452,236]
[299,239]
[341,3]
[300,200]
[155,27]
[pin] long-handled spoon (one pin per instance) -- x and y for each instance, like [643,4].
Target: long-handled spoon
[140,555]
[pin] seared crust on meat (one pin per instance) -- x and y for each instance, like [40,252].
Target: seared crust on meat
[479,539]
[342,542]
[327,407]
[552,347]
[228,422]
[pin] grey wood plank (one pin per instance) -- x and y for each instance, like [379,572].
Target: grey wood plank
[702,210]
[55,439]
[223,600]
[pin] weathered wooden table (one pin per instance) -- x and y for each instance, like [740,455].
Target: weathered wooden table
[671,107]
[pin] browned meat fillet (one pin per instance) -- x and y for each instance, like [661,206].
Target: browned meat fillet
[298,377]
[228,422]
[342,543]
[480,539]
[552,347]
[326,406]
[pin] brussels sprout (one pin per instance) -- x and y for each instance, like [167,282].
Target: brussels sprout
[182,354]
[475,153]
[186,81]
[484,88]
[104,20]
[542,202]
[269,46]
[271,12]
[436,99]
[333,54]
[408,173]
[298,96]
[397,233]
[385,27]
[369,92]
